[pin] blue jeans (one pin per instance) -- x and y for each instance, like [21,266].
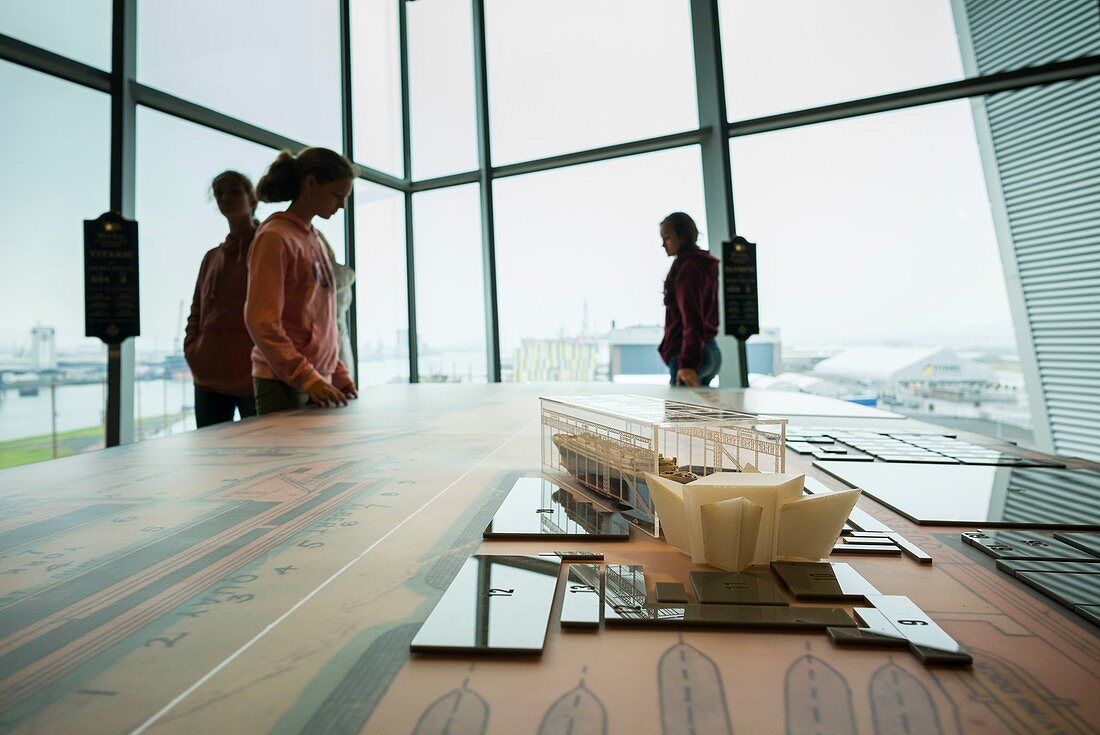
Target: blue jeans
[709,365]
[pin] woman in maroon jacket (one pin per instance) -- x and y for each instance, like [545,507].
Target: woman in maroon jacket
[217,345]
[691,305]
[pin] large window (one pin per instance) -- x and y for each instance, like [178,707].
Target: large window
[79,29]
[179,222]
[441,88]
[381,285]
[274,64]
[450,292]
[876,232]
[560,82]
[376,80]
[580,265]
[54,144]
[791,54]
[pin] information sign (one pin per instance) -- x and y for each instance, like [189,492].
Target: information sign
[739,287]
[111,303]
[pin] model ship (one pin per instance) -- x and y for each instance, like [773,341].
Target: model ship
[615,470]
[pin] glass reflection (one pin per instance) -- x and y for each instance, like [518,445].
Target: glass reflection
[823,580]
[496,604]
[733,588]
[1068,589]
[1025,545]
[538,507]
[581,604]
[625,604]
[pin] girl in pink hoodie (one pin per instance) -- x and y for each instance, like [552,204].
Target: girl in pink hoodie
[290,309]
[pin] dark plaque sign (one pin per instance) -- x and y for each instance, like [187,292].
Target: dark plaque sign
[739,288]
[111,278]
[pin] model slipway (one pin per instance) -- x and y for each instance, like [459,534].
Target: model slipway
[268,576]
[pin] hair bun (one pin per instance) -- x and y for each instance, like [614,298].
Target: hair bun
[285,175]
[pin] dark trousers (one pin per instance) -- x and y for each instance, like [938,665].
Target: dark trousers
[214,408]
[708,365]
[275,395]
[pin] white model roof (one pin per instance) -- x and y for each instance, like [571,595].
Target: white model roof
[804,383]
[901,365]
[784,381]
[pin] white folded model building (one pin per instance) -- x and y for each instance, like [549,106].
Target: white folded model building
[732,520]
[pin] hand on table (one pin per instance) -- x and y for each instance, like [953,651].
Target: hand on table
[324,394]
[687,376]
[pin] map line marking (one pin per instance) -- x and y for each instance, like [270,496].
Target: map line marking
[273,624]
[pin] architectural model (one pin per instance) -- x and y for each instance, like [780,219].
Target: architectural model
[609,444]
[732,520]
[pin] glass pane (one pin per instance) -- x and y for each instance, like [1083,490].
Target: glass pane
[178,223]
[79,29]
[875,234]
[56,174]
[580,266]
[450,293]
[441,88]
[376,80]
[274,64]
[792,54]
[600,88]
[381,285]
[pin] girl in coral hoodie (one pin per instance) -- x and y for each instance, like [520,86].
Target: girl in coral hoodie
[290,309]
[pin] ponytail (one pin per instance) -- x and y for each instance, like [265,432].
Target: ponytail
[284,177]
[280,183]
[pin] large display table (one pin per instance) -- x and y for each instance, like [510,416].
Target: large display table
[268,576]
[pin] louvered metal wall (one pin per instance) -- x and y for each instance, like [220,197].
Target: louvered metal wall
[1041,149]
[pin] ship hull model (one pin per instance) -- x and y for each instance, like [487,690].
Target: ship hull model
[606,446]
[615,471]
